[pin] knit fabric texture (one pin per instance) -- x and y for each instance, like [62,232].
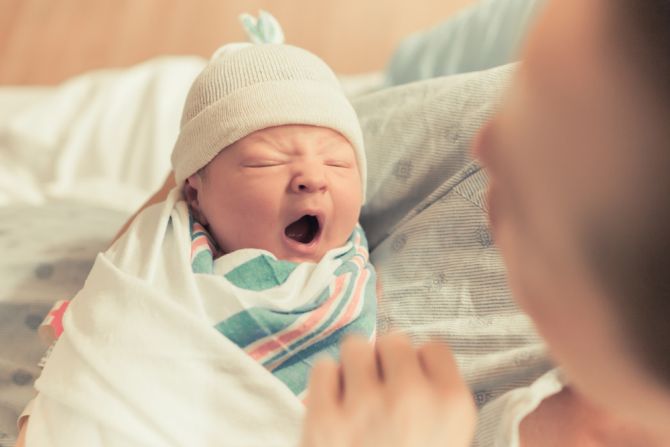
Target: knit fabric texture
[249,87]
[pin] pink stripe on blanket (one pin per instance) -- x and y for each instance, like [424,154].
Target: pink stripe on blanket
[351,312]
[303,328]
[52,325]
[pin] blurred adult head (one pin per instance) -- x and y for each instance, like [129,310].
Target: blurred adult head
[579,162]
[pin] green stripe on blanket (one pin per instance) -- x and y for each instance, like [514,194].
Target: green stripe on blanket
[261,273]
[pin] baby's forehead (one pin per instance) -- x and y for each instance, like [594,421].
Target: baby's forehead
[295,136]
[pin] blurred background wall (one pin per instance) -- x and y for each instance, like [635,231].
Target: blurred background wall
[47,41]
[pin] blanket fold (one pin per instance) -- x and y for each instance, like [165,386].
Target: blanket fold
[150,351]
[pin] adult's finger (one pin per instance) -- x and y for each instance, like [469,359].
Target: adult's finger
[439,364]
[323,392]
[398,360]
[359,367]
[323,421]
[440,368]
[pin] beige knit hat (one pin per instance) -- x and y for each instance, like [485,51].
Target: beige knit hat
[247,87]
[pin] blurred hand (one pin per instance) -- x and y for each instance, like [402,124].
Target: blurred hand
[389,395]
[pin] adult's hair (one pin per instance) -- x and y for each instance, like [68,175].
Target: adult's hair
[632,256]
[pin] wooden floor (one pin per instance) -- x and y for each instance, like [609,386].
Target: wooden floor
[47,41]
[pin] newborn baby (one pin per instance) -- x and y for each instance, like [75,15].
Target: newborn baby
[271,157]
[202,322]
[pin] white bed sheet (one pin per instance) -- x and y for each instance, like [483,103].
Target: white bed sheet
[88,139]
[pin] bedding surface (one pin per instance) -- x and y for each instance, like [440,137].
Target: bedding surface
[47,252]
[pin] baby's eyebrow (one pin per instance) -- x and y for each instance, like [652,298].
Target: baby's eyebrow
[334,143]
[261,138]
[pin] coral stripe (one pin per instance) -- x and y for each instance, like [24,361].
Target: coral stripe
[279,340]
[198,245]
[350,313]
[356,300]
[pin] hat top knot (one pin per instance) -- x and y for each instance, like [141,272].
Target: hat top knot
[262,30]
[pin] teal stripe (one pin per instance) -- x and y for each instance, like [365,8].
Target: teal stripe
[261,273]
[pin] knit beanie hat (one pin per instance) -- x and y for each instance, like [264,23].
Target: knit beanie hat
[247,87]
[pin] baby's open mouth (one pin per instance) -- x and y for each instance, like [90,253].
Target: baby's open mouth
[303,230]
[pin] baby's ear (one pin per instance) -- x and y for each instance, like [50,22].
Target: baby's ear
[192,189]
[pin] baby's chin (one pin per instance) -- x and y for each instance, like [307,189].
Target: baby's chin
[313,254]
[301,259]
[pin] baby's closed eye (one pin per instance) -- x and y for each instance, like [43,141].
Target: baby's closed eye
[262,163]
[338,163]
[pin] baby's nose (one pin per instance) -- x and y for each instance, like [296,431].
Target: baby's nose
[309,181]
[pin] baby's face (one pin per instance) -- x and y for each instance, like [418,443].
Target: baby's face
[292,190]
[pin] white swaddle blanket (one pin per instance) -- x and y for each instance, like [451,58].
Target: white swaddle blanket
[140,361]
